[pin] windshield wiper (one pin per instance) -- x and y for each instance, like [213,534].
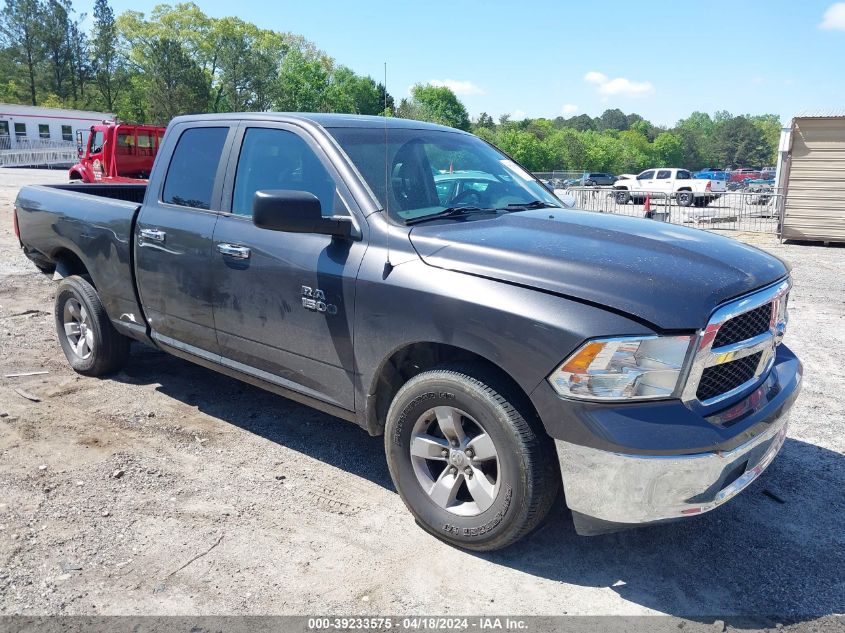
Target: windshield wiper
[450,212]
[533,204]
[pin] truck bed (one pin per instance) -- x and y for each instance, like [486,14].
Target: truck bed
[89,223]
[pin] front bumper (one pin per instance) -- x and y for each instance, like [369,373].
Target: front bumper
[608,490]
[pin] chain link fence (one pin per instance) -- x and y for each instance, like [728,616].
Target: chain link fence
[756,209]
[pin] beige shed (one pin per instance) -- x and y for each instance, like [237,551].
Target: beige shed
[813,175]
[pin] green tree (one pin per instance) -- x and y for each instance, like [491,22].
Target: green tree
[386,104]
[486,121]
[21,33]
[437,104]
[737,142]
[107,64]
[302,83]
[613,119]
[770,126]
[582,123]
[668,149]
[525,148]
[55,35]
[175,82]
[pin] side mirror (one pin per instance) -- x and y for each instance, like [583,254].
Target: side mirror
[296,212]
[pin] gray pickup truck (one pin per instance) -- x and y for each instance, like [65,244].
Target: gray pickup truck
[413,279]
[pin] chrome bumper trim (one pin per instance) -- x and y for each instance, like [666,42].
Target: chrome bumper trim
[632,489]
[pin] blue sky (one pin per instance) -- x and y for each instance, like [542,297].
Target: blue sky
[662,60]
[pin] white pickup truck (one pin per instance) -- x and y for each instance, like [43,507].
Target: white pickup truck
[667,182]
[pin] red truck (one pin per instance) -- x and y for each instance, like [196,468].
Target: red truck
[742,174]
[116,152]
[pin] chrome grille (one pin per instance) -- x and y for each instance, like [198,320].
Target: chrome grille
[744,326]
[737,346]
[719,379]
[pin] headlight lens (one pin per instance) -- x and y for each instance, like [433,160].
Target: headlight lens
[622,368]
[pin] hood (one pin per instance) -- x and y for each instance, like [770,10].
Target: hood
[670,276]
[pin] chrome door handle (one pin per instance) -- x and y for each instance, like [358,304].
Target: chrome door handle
[153,234]
[231,250]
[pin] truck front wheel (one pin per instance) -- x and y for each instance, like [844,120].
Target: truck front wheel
[469,458]
[91,344]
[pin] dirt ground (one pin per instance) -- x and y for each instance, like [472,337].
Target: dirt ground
[170,489]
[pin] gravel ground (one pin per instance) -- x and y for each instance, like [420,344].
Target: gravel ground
[170,489]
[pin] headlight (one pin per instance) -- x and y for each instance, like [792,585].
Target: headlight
[620,368]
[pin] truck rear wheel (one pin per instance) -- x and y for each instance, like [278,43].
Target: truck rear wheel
[91,344]
[685,198]
[469,459]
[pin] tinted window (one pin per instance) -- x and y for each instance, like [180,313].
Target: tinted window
[20,130]
[664,173]
[646,175]
[43,130]
[278,159]
[67,133]
[193,166]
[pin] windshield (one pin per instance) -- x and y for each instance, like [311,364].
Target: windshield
[419,173]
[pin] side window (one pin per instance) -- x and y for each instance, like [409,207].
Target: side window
[43,130]
[646,175]
[278,159]
[67,133]
[193,166]
[663,174]
[97,143]
[125,143]
[683,175]
[20,130]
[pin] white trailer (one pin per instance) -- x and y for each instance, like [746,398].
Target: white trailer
[29,127]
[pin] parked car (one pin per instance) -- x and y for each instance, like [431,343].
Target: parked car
[670,182]
[745,173]
[711,173]
[593,178]
[500,346]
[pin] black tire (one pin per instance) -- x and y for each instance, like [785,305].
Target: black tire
[527,470]
[622,196]
[108,349]
[685,198]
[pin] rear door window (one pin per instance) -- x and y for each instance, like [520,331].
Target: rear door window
[193,167]
[664,173]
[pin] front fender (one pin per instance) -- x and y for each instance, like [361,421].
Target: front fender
[523,331]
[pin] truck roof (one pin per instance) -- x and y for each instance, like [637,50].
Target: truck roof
[320,118]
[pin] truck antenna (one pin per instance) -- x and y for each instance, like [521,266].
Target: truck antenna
[388,265]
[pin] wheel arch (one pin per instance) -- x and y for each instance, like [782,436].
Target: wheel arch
[70,263]
[405,362]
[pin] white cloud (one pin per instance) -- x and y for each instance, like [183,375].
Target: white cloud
[458,87]
[594,77]
[834,17]
[617,86]
[569,108]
